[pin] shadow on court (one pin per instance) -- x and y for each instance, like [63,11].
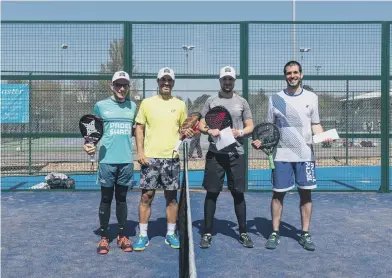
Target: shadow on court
[156,228]
[263,226]
[223,227]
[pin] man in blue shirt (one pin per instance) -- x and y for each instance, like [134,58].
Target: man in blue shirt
[115,170]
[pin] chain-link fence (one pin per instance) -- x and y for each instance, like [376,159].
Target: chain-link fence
[53,73]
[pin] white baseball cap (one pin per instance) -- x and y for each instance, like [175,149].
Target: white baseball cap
[227,71]
[165,71]
[120,75]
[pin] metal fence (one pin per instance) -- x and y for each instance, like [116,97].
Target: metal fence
[63,68]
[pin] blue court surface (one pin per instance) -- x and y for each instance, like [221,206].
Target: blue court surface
[54,234]
[365,178]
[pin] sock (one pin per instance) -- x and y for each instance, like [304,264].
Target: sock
[171,228]
[143,229]
[240,210]
[121,213]
[121,208]
[209,211]
[104,216]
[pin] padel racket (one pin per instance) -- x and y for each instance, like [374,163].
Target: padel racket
[268,134]
[192,121]
[218,118]
[91,128]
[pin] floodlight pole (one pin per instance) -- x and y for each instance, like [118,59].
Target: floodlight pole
[303,50]
[187,48]
[318,69]
[294,39]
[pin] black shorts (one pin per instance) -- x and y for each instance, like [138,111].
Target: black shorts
[217,165]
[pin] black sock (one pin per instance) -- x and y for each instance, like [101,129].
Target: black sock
[240,210]
[104,216]
[121,208]
[209,211]
[104,210]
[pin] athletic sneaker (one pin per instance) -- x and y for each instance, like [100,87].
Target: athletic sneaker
[246,240]
[306,241]
[124,243]
[103,246]
[173,241]
[205,241]
[272,241]
[141,243]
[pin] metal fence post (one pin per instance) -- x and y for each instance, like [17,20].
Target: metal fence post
[385,71]
[244,66]
[30,134]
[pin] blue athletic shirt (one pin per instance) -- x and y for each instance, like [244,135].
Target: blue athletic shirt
[116,143]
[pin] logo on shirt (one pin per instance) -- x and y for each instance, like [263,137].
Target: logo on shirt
[173,110]
[307,105]
[120,128]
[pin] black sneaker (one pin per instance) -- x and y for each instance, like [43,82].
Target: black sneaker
[272,241]
[246,240]
[205,241]
[306,241]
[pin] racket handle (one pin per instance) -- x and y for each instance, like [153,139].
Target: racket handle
[177,146]
[271,161]
[92,158]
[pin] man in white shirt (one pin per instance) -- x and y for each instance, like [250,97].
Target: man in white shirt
[295,112]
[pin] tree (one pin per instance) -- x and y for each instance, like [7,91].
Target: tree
[308,88]
[47,103]
[116,63]
[198,103]
[258,103]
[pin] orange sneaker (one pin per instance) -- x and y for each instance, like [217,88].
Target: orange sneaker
[103,246]
[124,243]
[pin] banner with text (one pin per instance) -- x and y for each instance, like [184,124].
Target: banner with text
[14,101]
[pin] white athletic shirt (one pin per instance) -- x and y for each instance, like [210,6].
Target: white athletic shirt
[294,115]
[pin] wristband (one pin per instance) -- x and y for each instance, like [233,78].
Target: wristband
[241,133]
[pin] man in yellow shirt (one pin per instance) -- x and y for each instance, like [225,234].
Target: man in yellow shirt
[158,125]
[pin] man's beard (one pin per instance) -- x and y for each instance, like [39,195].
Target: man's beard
[294,86]
[226,90]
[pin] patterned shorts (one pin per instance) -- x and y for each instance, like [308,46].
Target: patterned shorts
[161,173]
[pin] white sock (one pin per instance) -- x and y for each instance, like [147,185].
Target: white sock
[143,229]
[171,228]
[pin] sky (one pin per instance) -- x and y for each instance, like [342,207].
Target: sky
[197,10]
[337,49]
